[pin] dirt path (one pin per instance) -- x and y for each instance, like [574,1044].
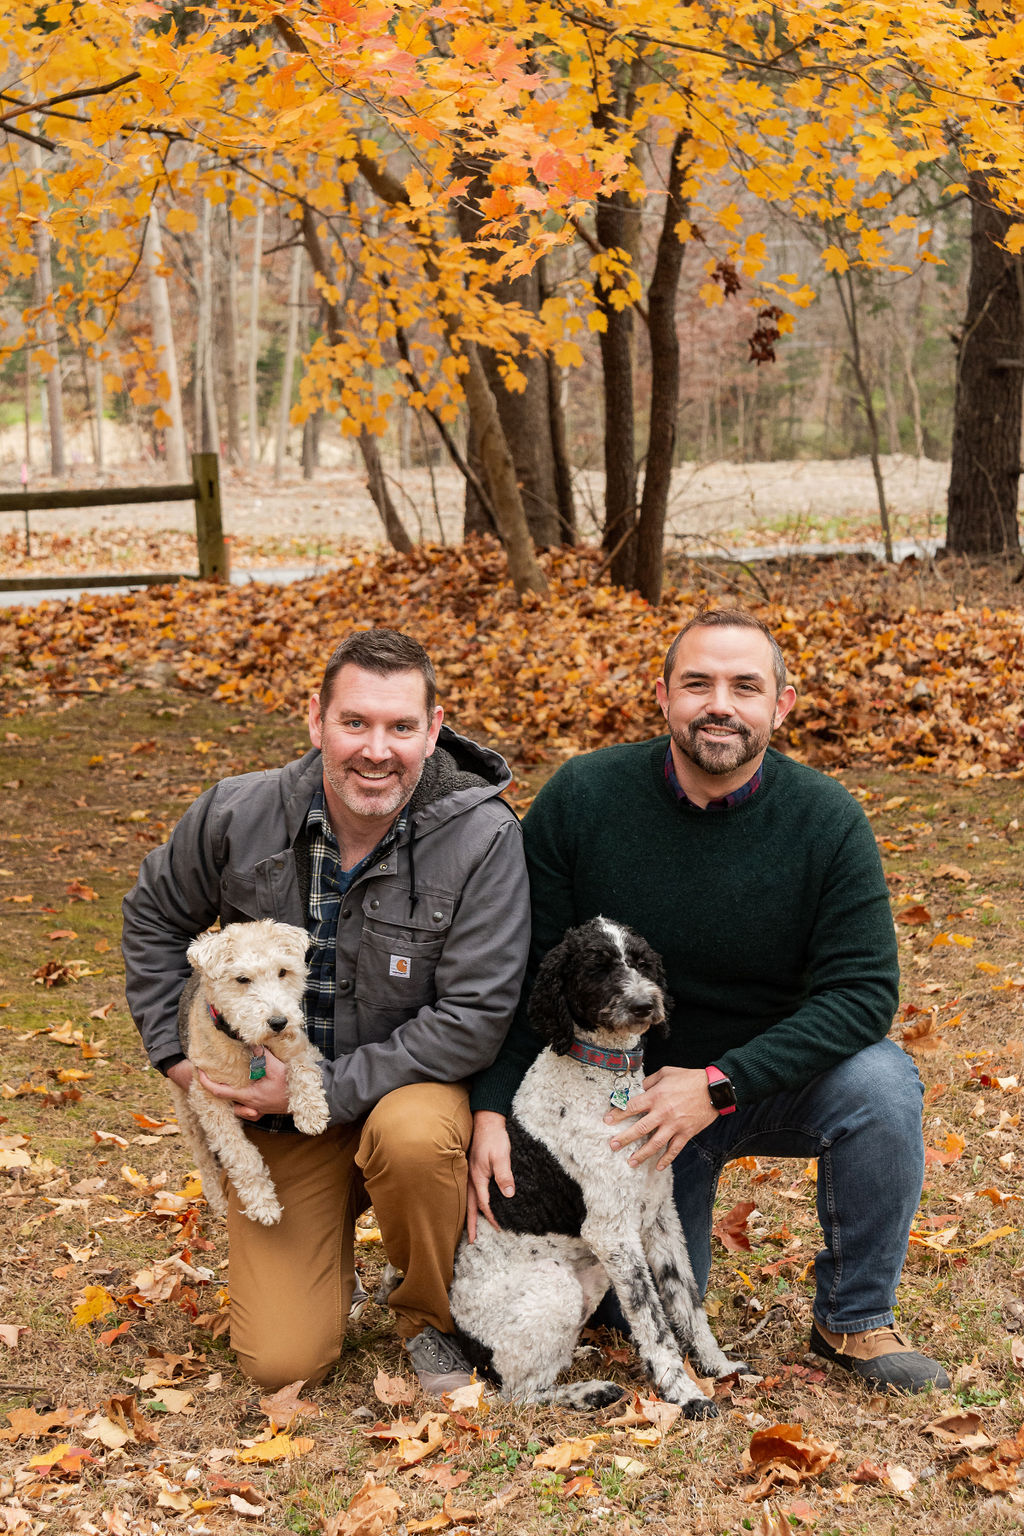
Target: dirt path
[798,499]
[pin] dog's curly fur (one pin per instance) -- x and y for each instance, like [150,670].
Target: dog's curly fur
[581,1219]
[254,976]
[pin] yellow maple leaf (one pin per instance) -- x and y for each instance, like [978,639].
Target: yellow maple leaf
[97,1302]
[278,1448]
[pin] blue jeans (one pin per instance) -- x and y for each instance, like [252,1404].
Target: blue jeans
[862,1121]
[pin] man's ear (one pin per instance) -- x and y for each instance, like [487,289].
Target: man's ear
[785,702]
[315,721]
[661,693]
[434,730]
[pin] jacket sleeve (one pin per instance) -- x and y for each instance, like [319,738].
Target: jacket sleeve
[477,981]
[851,979]
[176,896]
[549,861]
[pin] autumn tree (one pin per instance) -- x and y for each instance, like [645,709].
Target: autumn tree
[587,119]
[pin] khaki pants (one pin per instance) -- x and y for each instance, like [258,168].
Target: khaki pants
[291,1284]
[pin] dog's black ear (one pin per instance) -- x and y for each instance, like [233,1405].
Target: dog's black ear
[548,1012]
[649,963]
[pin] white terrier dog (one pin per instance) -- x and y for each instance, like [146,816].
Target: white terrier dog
[245,998]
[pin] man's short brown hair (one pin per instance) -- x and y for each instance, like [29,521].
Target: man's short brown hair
[728,618]
[382,651]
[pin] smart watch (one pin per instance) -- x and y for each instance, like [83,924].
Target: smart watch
[721,1091]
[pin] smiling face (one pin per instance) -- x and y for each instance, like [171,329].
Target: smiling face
[374,735]
[721,707]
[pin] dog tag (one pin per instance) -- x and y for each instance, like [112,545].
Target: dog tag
[257,1068]
[619,1096]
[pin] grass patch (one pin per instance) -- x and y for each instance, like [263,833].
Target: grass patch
[105,1195]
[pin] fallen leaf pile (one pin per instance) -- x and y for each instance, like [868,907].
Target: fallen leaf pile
[931,689]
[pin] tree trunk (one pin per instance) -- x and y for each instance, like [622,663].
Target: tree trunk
[525,417]
[559,446]
[48,327]
[284,406]
[664,340]
[368,446]
[986,461]
[229,332]
[175,450]
[500,475]
[98,395]
[616,339]
[254,339]
[378,488]
[846,289]
[207,425]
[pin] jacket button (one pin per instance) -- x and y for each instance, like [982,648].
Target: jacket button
[383,866]
[374,904]
[344,986]
[347,912]
[438,917]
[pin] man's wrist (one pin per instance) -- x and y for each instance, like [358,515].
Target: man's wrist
[720,1091]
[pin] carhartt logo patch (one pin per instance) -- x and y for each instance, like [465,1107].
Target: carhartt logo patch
[400,965]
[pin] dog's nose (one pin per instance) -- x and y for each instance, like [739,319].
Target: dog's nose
[642,1010]
[277,1022]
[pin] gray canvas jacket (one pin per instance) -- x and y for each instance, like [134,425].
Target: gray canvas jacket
[238,854]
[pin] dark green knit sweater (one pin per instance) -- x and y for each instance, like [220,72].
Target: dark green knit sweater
[772,917]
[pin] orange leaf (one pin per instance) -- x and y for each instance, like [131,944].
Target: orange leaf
[731,1229]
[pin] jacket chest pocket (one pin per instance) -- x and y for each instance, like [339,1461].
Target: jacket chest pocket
[399,948]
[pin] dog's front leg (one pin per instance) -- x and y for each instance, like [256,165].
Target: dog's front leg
[665,1247]
[209,1171]
[627,1269]
[306,1097]
[241,1162]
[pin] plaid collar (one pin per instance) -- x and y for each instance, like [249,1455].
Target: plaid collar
[319,825]
[612,1061]
[724,802]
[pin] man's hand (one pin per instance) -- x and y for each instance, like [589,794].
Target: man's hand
[673,1107]
[181,1074]
[267,1096]
[490,1156]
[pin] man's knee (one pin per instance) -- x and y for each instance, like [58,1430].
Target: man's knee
[416,1127]
[880,1083]
[278,1360]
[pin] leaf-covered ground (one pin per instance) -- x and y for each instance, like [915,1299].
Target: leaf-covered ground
[904,667]
[120,1408]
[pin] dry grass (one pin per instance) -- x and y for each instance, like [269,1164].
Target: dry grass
[74,1219]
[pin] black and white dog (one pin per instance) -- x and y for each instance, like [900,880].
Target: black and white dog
[581,1219]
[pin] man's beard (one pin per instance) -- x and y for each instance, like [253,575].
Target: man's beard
[719,758]
[360,798]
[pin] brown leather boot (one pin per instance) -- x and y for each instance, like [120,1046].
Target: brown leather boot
[880,1357]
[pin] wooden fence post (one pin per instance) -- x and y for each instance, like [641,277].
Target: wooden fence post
[213,555]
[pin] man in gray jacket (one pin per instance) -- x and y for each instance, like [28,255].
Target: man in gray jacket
[389,844]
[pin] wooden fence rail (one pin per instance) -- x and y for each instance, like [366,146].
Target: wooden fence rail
[203,489]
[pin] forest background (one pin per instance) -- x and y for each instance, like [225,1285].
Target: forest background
[517,272]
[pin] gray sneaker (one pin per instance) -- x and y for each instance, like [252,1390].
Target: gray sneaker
[438,1362]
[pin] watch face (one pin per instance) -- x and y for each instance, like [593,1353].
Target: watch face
[722,1094]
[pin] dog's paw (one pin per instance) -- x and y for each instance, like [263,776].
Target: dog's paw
[312,1122]
[266,1211]
[699,1408]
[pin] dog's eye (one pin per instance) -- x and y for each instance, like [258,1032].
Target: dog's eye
[243,981]
[283,971]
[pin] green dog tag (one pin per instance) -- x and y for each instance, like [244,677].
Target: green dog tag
[257,1068]
[619,1096]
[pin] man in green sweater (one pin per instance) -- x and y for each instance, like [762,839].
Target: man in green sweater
[759,882]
